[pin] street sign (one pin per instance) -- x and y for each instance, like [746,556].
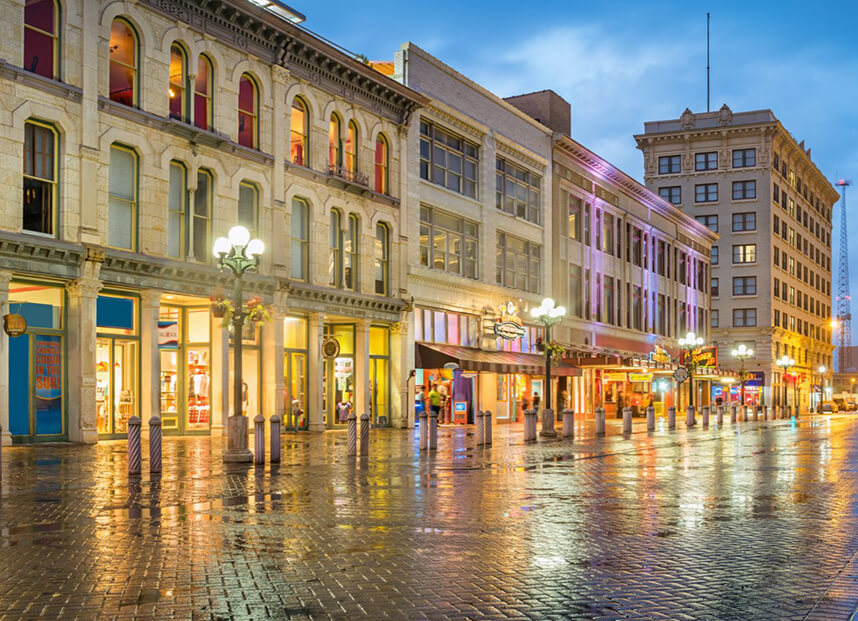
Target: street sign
[681,374]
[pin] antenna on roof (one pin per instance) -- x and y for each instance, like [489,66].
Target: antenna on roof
[707,61]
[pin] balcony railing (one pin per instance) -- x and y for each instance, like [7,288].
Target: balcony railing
[351,176]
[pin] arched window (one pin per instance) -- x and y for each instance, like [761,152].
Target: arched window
[248,207]
[382,165]
[335,267]
[41,53]
[248,111]
[335,144]
[178,64]
[298,150]
[300,239]
[122,198]
[40,179]
[123,63]
[351,149]
[203,93]
[350,253]
[381,252]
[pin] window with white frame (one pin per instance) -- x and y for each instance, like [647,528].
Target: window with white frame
[519,263]
[517,191]
[449,243]
[448,160]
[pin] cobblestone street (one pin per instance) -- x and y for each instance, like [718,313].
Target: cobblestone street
[750,521]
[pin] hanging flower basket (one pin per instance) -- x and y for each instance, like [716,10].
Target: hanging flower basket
[256,311]
[222,308]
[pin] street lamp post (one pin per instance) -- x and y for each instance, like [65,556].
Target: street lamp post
[821,370]
[548,314]
[689,343]
[239,254]
[742,353]
[785,362]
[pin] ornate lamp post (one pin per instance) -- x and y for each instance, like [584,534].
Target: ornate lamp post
[742,353]
[239,254]
[548,314]
[785,362]
[689,343]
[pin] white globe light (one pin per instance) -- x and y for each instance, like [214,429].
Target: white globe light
[221,246]
[536,311]
[561,310]
[255,247]
[689,338]
[239,236]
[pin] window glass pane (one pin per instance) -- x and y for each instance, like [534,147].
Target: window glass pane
[198,325]
[123,63]
[295,333]
[247,207]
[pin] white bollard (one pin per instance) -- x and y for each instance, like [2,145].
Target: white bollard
[705,410]
[275,439]
[481,427]
[529,425]
[134,445]
[719,419]
[671,417]
[488,429]
[568,423]
[259,440]
[600,421]
[650,418]
[424,430]
[627,421]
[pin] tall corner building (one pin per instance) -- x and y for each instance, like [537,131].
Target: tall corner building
[745,176]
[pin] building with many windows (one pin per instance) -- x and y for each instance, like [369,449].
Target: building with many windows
[746,178]
[132,135]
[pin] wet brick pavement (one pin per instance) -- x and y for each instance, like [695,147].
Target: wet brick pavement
[756,521]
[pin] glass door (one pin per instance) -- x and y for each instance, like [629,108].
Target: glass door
[294,364]
[116,384]
[378,391]
[170,390]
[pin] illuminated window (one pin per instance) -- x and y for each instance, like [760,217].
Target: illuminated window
[381,252]
[178,61]
[248,113]
[298,151]
[745,253]
[335,144]
[203,94]
[40,38]
[123,63]
[519,263]
[382,165]
[448,242]
[351,148]
[40,178]
[122,198]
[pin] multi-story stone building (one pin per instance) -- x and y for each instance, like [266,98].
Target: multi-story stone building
[744,176]
[134,133]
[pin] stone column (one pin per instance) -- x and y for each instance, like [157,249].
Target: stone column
[91,45]
[361,396]
[315,371]
[6,438]
[150,357]
[220,374]
[273,379]
[402,384]
[82,295]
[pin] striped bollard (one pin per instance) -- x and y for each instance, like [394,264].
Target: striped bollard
[481,427]
[568,423]
[488,429]
[719,419]
[600,421]
[259,440]
[705,410]
[155,445]
[671,417]
[134,445]
[650,418]
[734,414]
[352,434]
[275,439]
[432,441]
[364,435]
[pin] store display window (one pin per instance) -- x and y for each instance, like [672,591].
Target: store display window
[339,378]
[295,371]
[117,353]
[379,375]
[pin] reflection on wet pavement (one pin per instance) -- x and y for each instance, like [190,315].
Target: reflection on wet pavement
[750,522]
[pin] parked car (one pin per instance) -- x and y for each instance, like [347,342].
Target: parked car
[851,406]
[828,407]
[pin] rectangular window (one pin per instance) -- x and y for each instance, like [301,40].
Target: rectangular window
[776,193]
[710,222]
[713,318]
[575,205]
[300,227]
[517,191]
[448,243]
[637,236]
[744,317]
[587,224]
[714,287]
[122,198]
[637,307]
[672,194]
[575,290]
[743,158]
[776,227]
[608,235]
[705,192]
[745,285]
[202,216]
[519,263]
[381,256]
[744,189]
[661,258]
[745,253]
[706,161]
[178,199]
[40,179]
[744,221]
[248,207]
[714,255]
[668,164]
[448,160]
[609,300]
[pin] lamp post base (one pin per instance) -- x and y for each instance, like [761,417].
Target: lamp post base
[236,441]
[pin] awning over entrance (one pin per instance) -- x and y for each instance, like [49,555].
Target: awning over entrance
[434,356]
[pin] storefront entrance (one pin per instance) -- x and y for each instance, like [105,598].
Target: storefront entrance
[295,372]
[338,381]
[117,361]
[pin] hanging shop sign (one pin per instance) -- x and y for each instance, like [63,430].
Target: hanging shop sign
[330,347]
[614,376]
[659,355]
[705,357]
[509,326]
[168,335]
[640,377]
[681,374]
[755,378]
[14,324]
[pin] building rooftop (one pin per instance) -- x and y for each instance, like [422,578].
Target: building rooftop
[724,117]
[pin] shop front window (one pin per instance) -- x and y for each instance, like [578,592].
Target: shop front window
[295,371]
[379,369]
[183,340]
[117,363]
[339,379]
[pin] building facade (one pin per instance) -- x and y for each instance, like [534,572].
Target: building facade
[134,134]
[745,177]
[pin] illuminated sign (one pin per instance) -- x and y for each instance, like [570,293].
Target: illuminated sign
[509,326]
[640,377]
[659,355]
[614,376]
[705,357]
[14,324]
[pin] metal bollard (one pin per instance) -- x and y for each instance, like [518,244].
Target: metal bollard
[529,425]
[568,423]
[481,427]
[719,419]
[259,440]
[756,414]
[627,420]
[423,432]
[690,416]
[744,410]
[650,418]
[432,441]
[275,439]
[134,445]
[705,410]
[671,417]
[734,414]
[351,420]
[600,421]
[548,430]
[488,429]
[155,445]
[364,435]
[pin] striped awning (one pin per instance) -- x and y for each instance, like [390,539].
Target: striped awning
[435,356]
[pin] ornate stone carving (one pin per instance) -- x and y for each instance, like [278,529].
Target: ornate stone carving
[687,119]
[725,115]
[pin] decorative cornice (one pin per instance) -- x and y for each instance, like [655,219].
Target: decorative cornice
[28,254]
[519,155]
[455,121]
[338,302]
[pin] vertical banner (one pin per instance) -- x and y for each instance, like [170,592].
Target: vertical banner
[48,383]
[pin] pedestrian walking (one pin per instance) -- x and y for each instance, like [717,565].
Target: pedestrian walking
[434,400]
[536,400]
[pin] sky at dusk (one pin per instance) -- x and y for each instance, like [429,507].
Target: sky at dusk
[623,63]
